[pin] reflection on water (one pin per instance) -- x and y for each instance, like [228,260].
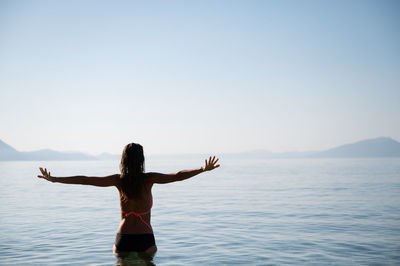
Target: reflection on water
[133,258]
[257,212]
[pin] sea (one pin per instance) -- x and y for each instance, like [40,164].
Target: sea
[246,212]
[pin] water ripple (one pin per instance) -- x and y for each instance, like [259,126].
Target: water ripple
[254,212]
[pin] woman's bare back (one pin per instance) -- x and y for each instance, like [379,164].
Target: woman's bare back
[136,213]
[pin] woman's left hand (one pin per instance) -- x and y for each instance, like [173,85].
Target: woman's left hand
[45,175]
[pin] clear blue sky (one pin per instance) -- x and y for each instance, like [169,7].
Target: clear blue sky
[198,76]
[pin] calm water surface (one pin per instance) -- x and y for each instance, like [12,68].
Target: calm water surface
[251,212]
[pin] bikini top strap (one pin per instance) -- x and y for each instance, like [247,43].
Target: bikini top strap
[141,213]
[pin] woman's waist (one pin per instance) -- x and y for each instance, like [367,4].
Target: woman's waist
[134,227]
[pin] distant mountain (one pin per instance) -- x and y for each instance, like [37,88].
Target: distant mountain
[378,147]
[5,147]
[8,153]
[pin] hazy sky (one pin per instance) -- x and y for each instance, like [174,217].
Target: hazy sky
[198,76]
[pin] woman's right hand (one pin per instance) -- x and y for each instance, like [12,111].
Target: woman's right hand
[45,175]
[211,164]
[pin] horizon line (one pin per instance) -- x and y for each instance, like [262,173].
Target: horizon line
[203,153]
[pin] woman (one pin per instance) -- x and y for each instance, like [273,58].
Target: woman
[134,185]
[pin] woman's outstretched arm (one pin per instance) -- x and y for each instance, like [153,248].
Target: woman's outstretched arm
[111,180]
[184,174]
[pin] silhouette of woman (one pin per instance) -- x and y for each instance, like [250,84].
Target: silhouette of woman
[134,185]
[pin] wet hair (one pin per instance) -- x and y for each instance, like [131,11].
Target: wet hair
[132,171]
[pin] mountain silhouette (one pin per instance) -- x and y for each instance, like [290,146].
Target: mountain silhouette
[378,147]
[8,153]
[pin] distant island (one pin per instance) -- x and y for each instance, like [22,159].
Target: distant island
[378,147]
[8,153]
[370,148]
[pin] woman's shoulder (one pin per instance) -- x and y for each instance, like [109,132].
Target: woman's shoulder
[150,176]
[148,179]
[116,179]
[147,176]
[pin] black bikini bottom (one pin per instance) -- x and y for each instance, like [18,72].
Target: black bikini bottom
[130,242]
